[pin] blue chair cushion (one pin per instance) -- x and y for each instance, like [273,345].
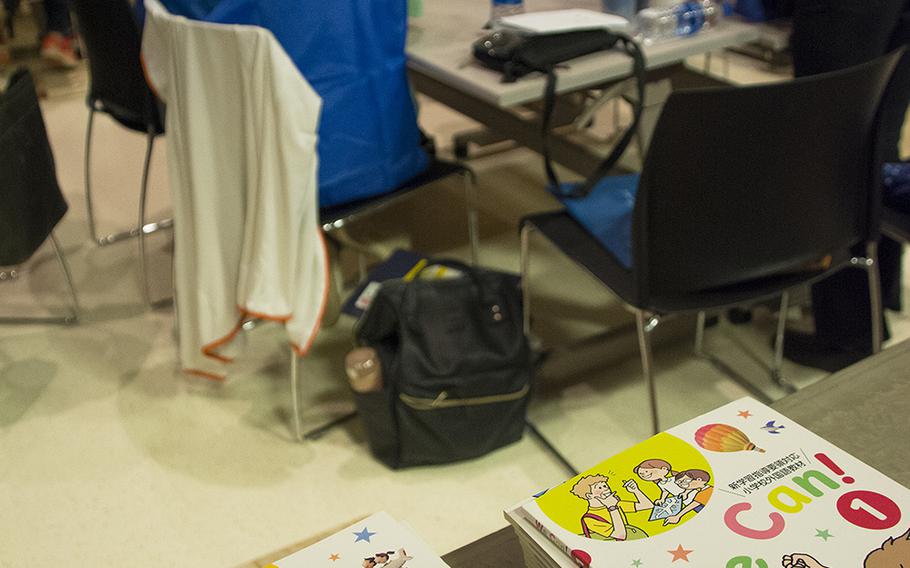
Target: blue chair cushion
[606,213]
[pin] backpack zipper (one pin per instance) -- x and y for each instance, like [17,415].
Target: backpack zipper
[443,400]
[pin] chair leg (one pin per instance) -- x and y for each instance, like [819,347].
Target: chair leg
[362,271]
[295,396]
[89,204]
[776,368]
[616,113]
[143,201]
[875,296]
[700,335]
[646,324]
[89,209]
[470,199]
[74,314]
[64,267]
[526,230]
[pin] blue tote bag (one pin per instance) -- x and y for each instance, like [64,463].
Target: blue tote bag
[352,53]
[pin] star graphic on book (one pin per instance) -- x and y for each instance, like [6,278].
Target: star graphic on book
[680,553]
[365,534]
[744,413]
[824,535]
[335,557]
[636,563]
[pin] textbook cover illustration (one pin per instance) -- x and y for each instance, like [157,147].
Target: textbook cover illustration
[739,487]
[375,542]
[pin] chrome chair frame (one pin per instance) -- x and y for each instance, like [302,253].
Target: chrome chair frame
[143,228]
[336,228]
[646,322]
[74,314]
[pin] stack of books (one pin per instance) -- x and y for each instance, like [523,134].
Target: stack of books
[375,542]
[739,487]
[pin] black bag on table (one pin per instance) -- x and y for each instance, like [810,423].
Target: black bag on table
[455,363]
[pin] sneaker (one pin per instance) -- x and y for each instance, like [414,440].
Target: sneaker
[58,51]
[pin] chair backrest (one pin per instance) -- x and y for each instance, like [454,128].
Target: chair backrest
[32,202]
[744,184]
[110,34]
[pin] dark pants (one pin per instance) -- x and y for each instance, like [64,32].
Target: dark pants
[830,35]
[57,13]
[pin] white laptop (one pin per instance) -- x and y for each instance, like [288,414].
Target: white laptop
[557,21]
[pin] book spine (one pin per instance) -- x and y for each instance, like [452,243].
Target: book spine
[552,537]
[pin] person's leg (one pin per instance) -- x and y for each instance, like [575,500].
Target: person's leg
[890,253]
[830,35]
[57,46]
[10,8]
[834,34]
[894,112]
[57,16]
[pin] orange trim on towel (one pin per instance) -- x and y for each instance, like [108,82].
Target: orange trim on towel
[205,375]
[280,319]
[209,348]
[302,351]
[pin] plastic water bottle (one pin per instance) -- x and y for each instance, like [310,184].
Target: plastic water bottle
[364,369]
[683,19]
[502,8]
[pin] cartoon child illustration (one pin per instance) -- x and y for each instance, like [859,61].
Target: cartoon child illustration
[697,492]
[384,560]
[369,562]
[605,518]
[660,472]
[893,553]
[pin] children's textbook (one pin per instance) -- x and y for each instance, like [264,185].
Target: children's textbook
[375,542]
[739,487]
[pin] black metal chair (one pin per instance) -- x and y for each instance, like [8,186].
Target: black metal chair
[334,220]
[112,41]
[32,202]
[745,193]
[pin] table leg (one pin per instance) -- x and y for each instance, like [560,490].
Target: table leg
[576,157]
[505,123]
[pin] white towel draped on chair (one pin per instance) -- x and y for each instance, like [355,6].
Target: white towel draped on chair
[241,123]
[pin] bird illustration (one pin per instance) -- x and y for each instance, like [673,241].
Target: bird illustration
[773,428]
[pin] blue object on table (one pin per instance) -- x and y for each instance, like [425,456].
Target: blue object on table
[502,8]
[896,186]
[352,53]
[606,213]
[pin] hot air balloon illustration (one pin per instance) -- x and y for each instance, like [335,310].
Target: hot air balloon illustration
[724,438]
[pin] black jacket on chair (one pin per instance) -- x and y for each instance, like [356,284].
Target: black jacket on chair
[31,204]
